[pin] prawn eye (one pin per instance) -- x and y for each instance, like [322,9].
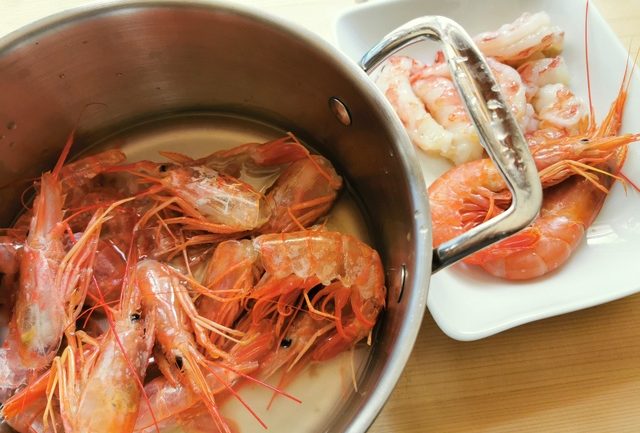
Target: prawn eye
[135,317]
[163,168]
[584,140]
[179,362]
[286,342]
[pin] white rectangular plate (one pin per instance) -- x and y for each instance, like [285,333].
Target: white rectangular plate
[466,303]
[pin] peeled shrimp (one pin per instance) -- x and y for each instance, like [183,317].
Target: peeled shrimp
[559,108]
[527,35]
[540,72]
[423,130]
[440,95]
[471,193]
[441,98]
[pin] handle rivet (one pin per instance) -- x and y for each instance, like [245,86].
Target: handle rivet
[402,277]
[340,110]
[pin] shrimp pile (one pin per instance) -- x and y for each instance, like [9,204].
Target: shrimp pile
[524,57]
[578,162]
[146,293]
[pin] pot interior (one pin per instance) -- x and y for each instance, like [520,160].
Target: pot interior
[202,76]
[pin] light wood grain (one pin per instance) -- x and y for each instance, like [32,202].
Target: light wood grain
[578,372]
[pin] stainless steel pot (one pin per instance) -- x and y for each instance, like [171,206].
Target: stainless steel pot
[137,61]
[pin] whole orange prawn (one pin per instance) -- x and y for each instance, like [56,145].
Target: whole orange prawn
[170,398]
[179,331]
[350,271]
[576,172]
[223,193]
[101,392]
[52,283]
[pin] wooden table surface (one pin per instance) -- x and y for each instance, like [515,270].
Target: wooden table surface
[579,372]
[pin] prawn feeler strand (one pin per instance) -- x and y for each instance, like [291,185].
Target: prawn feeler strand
[23,200]
[185,256]
[352,363]
[201,289]
[237,396]
[322,172]
[241,264]
[51,384]
[97,223]
[194,359]
[592,120]
[65,152]
[309,343]
[258,381]
[218,329]
[314,310]
[67,146]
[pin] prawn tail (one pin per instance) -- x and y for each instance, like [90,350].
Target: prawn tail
[523,240]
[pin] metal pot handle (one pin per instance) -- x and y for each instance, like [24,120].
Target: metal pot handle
[499,132]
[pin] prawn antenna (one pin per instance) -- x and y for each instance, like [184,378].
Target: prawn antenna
[236,395]
[586,59]
[70,139]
